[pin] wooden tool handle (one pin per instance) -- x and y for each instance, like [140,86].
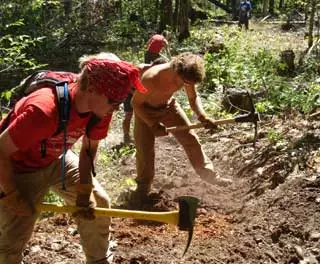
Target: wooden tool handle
[198,125]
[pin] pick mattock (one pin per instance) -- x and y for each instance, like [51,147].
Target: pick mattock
[252,117]
[184,218]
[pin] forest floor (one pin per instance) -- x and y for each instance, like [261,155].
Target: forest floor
[269,214]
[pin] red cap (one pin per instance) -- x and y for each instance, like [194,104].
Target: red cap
[114,79]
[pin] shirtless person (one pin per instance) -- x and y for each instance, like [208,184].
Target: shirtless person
[157,109]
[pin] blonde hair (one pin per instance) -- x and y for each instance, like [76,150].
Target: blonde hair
[189,66]
[83,61]
[99,56]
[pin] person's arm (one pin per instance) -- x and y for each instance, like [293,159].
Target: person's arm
[85,162]
[197,108]
[10,197]
[195,102]
[85,187]
[13,139]
[166,47]
[7,148]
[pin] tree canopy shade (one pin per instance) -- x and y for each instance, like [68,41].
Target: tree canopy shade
[37,32]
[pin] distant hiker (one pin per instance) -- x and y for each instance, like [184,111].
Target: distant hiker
[157,109]
[245,7]
[27,171]
[155,44]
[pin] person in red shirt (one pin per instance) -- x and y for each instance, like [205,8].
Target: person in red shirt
[155,45]
[26,176]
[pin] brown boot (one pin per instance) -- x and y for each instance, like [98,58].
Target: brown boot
[140,197]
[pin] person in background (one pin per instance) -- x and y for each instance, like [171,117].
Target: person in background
[26,174]
[245,7]
[157,109]
[154,46]
[127,107]
[126,123]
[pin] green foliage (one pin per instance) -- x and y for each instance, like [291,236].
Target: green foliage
[51,197]
[241,63]
[116,153]
[274,136]
[248,61]
[123,151]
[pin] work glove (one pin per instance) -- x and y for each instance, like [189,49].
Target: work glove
[16,204]
[85,199]
[159,130]
[208,123]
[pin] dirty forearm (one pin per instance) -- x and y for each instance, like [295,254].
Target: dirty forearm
[197,107]
[7,148]
[7,183]
[85,162]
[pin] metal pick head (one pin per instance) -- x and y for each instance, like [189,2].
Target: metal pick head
[187,214]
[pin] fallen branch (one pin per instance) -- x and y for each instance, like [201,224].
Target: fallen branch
[284,22]
[265,18]
[316,43]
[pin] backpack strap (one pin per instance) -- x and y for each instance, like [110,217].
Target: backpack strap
[63,103]
[64,114]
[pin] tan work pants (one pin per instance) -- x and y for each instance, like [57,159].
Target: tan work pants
[15,231]
[170,115]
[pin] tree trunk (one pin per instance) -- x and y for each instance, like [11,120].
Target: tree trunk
[271,7]
[156,12]
[265,7]
[281,4]
[234,9]
[287,58]
[67,6]
[183,20]
[311,22]
[165,15]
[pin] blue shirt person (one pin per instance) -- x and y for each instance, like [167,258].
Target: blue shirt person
[244,9]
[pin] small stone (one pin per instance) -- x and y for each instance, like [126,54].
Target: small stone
[315,236]
[35,249]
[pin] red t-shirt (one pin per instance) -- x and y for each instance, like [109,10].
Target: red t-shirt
[155,43]
[35,118]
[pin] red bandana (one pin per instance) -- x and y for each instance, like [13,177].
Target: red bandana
[114,79]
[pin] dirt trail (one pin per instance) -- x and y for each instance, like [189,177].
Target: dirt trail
[270,214]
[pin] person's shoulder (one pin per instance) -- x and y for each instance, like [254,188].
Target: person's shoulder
[44,99]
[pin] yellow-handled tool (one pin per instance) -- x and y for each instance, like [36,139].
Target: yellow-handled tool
[183,218]
[171,218]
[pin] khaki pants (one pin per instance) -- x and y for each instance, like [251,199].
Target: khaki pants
[15,231]
[170,115]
